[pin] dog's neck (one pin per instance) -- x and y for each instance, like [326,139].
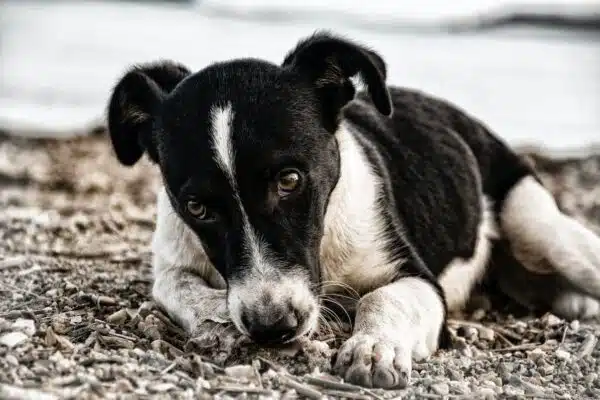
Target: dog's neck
[352,245]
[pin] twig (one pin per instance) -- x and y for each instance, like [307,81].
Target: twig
[501,332]
[519,347]
[271,364]
[588,345]
[12,262]
[240,389]
[302,389]
[339,386]
[14,314]
[11,287]
[347,395]
[169,368]
[564,335]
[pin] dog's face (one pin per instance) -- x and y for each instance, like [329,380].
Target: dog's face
[249,159]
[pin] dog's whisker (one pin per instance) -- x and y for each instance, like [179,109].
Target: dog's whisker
[341,285]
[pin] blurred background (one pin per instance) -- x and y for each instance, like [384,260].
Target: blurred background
[531,70]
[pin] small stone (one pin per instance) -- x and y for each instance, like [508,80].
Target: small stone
[27,326]
[551,320]
[13,339]
[124,385]
[574,326]
[458,387]
[468,332]
[160,387]
[486,393]
[513,391]
[486,334]
[562,354]
[478,314]
[536,354]
[441,388]
[11,360]
[118,317]
[240,372]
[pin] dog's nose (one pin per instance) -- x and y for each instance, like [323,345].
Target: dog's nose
[276,327]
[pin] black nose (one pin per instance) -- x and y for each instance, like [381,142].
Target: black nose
[272,327]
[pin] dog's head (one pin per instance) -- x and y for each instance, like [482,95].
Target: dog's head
[248,155]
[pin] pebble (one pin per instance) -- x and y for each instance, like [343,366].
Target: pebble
[574,326]
[13,339]
[551,320]
[562,354]
[118,317]
[27,326]
[11,360]
[458,387]
[486,393]
[240,372]
[468,332]
[486,334]
[478,314]
[536,354]
[160,387]
[441,388]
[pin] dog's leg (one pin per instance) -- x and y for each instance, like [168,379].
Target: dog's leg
[186,285]
[394,324]
[188,299]
[543,238]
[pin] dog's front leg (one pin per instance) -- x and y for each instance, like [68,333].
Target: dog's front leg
[189,300]
[186,286]
[394,324]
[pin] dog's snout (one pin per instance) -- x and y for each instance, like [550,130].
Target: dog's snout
[275,326]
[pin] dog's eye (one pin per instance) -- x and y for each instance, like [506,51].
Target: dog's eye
[197,210]
[287,182]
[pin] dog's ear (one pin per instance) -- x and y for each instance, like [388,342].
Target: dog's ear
[329,62]
[133,104]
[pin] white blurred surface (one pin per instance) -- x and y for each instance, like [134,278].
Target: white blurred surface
[59,60]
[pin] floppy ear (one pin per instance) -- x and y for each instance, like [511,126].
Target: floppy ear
[330,62]
[133,104]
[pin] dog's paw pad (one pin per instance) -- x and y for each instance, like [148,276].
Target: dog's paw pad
[371,362]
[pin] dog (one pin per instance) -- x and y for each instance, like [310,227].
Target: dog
[285,184]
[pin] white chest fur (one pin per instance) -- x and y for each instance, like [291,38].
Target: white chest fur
[352,249]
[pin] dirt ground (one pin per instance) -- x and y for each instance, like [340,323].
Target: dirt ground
[76,320]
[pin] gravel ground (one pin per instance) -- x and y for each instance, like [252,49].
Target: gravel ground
[76,320]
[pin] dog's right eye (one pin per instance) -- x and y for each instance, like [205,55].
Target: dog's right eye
[196,209]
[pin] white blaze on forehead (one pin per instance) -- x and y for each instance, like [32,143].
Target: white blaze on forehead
[221,118]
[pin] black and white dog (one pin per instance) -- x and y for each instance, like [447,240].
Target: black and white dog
[283,184]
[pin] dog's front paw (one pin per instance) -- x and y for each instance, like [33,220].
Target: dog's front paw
[573,305]
[374,361]
[210,334]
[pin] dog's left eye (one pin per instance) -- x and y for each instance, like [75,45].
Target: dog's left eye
[287,182]
[197,210]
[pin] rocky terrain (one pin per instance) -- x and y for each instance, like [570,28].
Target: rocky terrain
[76,320]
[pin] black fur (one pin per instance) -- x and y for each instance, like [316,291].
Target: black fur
[435,160]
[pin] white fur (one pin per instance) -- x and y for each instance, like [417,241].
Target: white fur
[266,293]
[544,239]
[353,247]
[573,305]
[400,322]
[460,276]
[261,279]
[221,119]
[186,285]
